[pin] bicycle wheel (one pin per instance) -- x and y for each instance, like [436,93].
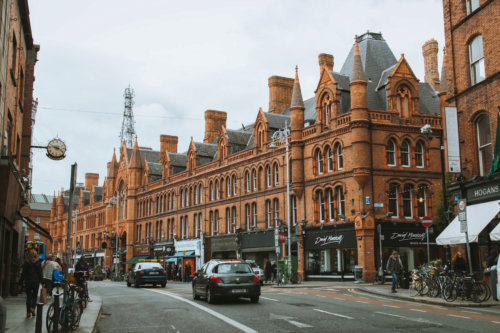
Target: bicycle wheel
[434,288]
[414,288]
[76,314]
[50,319]
[65,320]
[480,292]
[424,290]
[83,296]
[450,292]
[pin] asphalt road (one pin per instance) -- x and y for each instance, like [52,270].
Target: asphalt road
[172,309]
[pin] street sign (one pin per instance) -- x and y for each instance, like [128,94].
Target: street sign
[463,226]
[427,221]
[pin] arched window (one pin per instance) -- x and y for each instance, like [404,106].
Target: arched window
[216,189]
[228,220]
[186,194]
[476,60]
[195,195]
[422,201]
[211,191]
[234,184]
[254,180]
[268,176]
[321,206]
[247,181]
[276,205]
[121,202]
[331,204]
[403,101]
[200,224]
[393,199]
[329,160]
[319,161]
[293,209]
[254,214]
[390,150]
[268,213]
[276,174]
[228,187]
[216,227]
[419,155]
[196,227]
[484,144]
[340,156]
[247,216]
[327,113]
[407,200]
[211,223]
[405,153]
[233,211]
[181,193]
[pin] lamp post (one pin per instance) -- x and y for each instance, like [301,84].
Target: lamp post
[115,201]
[281,136]
[76,242]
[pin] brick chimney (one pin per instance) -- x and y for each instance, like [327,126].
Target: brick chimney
[430,52]
[168,143]
[91,179]
[280,93]
[214,121]
[326,60]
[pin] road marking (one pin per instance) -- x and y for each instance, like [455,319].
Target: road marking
[452,315]
[417,310]
[298,324]
[418,320]
[334,314]
[288,319]
[391,306]
[209,311]
[470,312]
[495,322]
[362,302]
[269,299]
[321,296]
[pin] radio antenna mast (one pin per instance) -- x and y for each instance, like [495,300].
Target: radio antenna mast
[128,132]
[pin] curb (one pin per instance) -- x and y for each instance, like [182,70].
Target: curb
[97,318]
[426,301]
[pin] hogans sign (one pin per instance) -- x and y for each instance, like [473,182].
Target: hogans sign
[330,239]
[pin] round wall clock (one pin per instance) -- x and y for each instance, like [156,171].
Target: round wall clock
[56,149]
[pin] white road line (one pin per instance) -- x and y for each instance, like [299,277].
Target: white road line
[452,315]
[418,320]
[298,324]
[495,322]
[269,299]
[209,311]
[321,296]
[362,302]
[334,314]
[391,306]
[417,310]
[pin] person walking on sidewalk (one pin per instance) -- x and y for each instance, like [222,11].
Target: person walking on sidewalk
[48,268]
[394,267]
[31,276]
[268,271]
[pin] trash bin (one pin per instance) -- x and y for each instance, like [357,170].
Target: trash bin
[358,273]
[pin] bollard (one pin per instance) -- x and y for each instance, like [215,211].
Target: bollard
[56,313]
[39,317]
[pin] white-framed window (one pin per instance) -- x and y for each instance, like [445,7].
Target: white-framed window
[268,213]
[276,174]
[195,195]
[200,224]
[247,216]
[319,160]
[234,184]
[471,5]
[419,154]
[390,150]
[408,201]
[247,181]
[228,220]
[233,215]
[268,176]
[181,193]
[329,159]
[341,202]
[484,144]
[216,189]
[321,206]
[405,154]
[228,186]
[186,226]
[340,156]
[293,209]
[254,214]
[211,214]
[216,227]
[476,60]
[182,227]
[327,117]
[201,193]
[276,205]
[186,194]
[422,201]
[254,180]
[196,226]
[393,199]
[331,205]
[211,186]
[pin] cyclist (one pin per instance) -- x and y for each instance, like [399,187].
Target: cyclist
[81,273]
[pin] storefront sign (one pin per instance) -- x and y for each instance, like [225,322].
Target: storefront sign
[403,235]
[330,238]
[486,191]
[223,243]
[141,250]
[188,245]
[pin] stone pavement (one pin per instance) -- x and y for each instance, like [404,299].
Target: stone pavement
[18,323]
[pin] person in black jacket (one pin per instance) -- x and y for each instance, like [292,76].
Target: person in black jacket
[31,275]
[394,267]
[459,264]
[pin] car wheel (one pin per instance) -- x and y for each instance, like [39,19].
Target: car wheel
[154,285]
[136,284]
[254,299]
[163,285]
[195,295]
[210,297]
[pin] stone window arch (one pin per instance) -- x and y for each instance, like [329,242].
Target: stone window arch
[419,154]
[390,152]
[403,101]
[405,153]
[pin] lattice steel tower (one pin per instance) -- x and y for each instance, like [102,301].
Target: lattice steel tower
[128,131]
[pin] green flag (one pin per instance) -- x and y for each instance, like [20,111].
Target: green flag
[495,164]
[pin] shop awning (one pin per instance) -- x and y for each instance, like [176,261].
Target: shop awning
[172,259]
[181,254]
[135,259]
[495,233]
[478,217]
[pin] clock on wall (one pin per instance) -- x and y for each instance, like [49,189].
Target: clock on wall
[56,149]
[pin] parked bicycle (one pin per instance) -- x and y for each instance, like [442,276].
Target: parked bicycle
[284,278]
[83,290]
[380,276]
[66,315]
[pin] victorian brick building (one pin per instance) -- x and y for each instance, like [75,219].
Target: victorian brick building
[357,159]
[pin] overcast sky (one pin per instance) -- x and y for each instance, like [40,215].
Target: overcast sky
[184,57]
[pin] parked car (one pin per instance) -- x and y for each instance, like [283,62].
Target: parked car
[147,272]
[230,278]
[257,270]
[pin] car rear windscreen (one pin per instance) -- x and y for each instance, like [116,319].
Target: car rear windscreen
[238,268]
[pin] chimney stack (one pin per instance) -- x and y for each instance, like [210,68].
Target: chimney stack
[214,121]
[280,93]
[168,143]
[91,179]
[326,60]
[430,52]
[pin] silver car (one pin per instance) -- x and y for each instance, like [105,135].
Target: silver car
[257,270]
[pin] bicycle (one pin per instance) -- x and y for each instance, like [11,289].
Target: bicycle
[380,276]
[83,291]
[68,315]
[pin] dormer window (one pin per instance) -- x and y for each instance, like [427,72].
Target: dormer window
[403,101]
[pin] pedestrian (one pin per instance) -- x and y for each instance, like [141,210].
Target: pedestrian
[394,267]
[169,271]
[48,268]
[31,276]
[274,268]
[459,263]
[187,272]
[179,273]
[268,271]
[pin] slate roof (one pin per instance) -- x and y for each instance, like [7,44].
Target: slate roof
[206,152]
[155,171]
[428,99]
[41,201]
[97,193]
[152,155]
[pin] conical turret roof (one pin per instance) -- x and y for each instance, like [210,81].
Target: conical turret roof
[296,93]
[135,159]
[357,73]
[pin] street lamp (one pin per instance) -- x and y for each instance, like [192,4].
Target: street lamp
[115,201]
[281,136]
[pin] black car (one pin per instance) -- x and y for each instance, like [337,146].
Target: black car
[232,278]
[147,273]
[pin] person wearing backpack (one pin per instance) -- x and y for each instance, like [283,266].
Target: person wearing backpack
[48,268]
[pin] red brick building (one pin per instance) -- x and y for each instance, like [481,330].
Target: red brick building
[357,159]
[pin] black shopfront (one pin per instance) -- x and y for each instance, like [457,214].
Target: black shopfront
[223,247]
[330,251]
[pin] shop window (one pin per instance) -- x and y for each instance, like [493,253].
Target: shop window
[329,160]
[247,181]
[268,176]
[293,209]
[405,153]
[340,156]
[419,155]
[254,214]
[276,174]
[321,206]
[471,5]
[476,60]
[393,199]
[407,201]
[422,201]
[341,203]
[247,216]
[254,180]
[391,153]
[484,144]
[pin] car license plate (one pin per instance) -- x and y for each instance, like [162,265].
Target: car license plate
[238,291]
[153,273]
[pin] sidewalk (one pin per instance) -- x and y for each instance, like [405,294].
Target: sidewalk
[18,323]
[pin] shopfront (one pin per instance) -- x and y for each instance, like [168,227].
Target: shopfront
[163,249]
[258,246]
[186,252]
[223,247]
[410,240]
[330,252]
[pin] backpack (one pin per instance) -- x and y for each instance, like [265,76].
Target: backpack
[57,276]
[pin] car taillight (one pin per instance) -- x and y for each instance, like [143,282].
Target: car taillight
[215,279]
[141,272]
[256,278]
